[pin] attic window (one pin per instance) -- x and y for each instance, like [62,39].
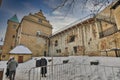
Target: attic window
[39,20]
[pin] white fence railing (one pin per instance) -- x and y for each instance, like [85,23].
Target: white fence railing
[72,71]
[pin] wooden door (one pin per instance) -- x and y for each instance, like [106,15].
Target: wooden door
[20,59]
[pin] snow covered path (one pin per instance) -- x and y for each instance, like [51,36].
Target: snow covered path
[76,70]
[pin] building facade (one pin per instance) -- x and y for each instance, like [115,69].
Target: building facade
[9,40]
[79,39]
[1,47]
[97,35]
[109,30]
[33,32]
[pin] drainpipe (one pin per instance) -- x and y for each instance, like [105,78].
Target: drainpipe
[48,46]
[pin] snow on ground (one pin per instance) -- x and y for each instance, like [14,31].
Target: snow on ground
[79,68]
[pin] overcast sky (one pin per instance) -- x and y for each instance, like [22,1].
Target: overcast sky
[58,18]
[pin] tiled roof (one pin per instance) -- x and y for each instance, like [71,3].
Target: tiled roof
[14,19]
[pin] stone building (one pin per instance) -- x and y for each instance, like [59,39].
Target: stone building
[33,32]
[21,53]
[109,30]
[80,39]
[1,46]
[98,35]
[95,35]
[9,40]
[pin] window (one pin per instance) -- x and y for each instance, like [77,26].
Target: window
[14,26]
[11,47]
[45,53]
[3,56]
[56,43]
[0,48]
[75,49]
[38,33]
[66,47]
[72,38]
[39,20]
[58,51]
[13,36]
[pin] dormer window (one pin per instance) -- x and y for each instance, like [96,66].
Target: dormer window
[39,20]
[38,33]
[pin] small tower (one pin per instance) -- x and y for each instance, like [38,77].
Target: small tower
[10,35]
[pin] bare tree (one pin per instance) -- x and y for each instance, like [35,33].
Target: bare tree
[94,6]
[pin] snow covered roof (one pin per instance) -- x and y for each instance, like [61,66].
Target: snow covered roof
[20,49]
[74,23]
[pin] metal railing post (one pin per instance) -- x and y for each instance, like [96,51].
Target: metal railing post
[113,73]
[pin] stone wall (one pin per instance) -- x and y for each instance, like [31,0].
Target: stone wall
[28,34]
[85,40]
[9,39]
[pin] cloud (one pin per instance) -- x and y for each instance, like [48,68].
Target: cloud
[56,12]
[52,3]
[2,33]
[58,21]
[7,11]
[61,18]
[28,8]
